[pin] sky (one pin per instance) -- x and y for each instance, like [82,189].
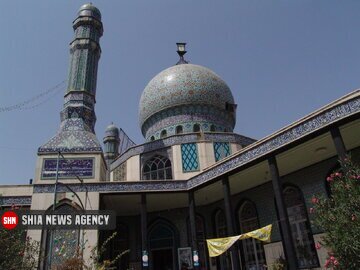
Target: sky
[281,59]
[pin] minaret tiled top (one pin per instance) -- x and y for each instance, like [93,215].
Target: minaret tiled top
[78,116]
[85,50]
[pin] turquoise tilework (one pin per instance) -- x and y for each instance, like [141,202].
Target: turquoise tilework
[189,154]
[221,150]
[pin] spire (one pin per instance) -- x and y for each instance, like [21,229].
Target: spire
[78,116]
[181,52]
[85,50]
[84,57]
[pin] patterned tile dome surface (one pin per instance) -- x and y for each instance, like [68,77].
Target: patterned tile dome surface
[185,84]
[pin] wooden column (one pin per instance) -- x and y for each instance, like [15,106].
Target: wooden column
[144,245]
[230,223]
[339,143]
[192,218]
[287,240]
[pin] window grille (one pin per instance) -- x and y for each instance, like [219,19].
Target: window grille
[300,228]
[189,156]
[157,168]
[221,150]
[254,255]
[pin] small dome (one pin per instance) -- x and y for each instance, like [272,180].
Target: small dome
[89,10]
[182,86]
[112,131]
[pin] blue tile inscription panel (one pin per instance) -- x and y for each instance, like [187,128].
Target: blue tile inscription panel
[69,168]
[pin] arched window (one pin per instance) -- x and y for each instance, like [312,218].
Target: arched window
[152,138]
[254,257]
[212,128]
[200,238]
[196,128]
[179,129]
[225,130]
[300,228]
[163,134]
[64,242]
[221,231]
[157,168]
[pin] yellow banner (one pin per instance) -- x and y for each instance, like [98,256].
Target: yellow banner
[262,234]
[218,246]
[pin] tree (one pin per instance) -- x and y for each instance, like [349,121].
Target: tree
[18,251]
[77,262]
[339,217]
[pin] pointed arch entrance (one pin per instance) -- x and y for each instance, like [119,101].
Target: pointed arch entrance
[59,244]
[163,238]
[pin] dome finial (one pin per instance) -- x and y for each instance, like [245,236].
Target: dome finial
[181,52]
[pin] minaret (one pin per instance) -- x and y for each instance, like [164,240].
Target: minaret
[111,146]
[78,117]
[84,57]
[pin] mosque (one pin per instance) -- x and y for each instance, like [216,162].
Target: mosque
[192,179]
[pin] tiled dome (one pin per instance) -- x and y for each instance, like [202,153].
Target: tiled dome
[183,86]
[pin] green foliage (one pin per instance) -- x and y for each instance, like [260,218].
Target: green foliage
[95,263]
[339,217]
[18,251]
[279,264]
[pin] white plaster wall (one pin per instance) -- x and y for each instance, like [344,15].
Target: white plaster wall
[274,250]
[235,147]
[16,190]
[206,154]
[43,201]
[99,168]
[133,168]
[90,236]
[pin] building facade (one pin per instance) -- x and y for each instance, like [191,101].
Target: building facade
[192,179]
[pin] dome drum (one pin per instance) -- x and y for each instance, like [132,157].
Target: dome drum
[209,118]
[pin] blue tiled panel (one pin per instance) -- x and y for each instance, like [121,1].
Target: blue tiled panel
[221,150]
[68,168]
[190,161]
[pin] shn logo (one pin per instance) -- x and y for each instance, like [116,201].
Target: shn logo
[9,220]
